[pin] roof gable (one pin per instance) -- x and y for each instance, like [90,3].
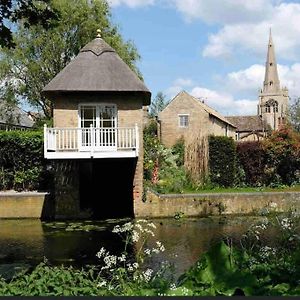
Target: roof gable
[201,105]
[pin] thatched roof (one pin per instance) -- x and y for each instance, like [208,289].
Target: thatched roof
[97,68]
[14,116]
[247,123]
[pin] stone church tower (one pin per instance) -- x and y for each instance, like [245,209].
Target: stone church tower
[273,101]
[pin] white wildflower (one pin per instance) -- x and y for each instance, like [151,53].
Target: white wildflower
[110,260]
[122,258]
[273,205]
[102,283]
[152,225]
[147,275]
[135,236]
[147,251]
[135,265]
[286,223]
[173,287]
[142,221]
[138,226]
[101,253]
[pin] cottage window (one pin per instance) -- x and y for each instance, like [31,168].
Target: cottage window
[98,123]
[183,121]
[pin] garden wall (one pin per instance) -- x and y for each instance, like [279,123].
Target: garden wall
[202,205]
[22,205]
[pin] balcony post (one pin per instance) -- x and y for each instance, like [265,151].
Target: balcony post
[137,140]
[45,140]
[92,140]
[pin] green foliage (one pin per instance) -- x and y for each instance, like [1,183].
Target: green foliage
[157,105]
[282,156]
[218,273]
[294,113]
[52,281]
[30,12]
[178,149]
[251,156]
[40,54]
[21,160]
[172,175]
[222,160]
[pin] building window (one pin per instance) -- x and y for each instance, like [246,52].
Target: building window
[183,121]
[268,108]
[275,107]
[271,83]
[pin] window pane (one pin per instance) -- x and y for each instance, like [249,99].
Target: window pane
[183,121]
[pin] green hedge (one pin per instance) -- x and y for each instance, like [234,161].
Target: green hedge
[22,164]
[222,161]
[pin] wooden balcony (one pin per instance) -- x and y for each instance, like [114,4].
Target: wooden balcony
[85,143]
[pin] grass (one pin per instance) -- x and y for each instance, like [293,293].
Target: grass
[295,188]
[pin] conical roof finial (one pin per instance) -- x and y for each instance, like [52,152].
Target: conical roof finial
[98,33]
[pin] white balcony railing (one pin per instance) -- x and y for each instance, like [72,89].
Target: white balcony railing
[91,142]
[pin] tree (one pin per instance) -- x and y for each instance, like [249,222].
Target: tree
[295,114]
[29,11]
[40,54]
[158,104]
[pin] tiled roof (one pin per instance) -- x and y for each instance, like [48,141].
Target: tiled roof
[247,123]
[13,115]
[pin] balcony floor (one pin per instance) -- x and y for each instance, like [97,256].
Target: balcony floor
[89,155]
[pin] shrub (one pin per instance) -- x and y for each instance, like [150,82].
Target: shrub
[282,157]
[222,160]
[251,157]
[21,160]
[178,150]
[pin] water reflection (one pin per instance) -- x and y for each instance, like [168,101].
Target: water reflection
[29,241]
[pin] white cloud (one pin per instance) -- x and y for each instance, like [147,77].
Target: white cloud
[284,20]
[131,3]
[178,85]
[225,103]
[250,80]
[225,11]
[220,101]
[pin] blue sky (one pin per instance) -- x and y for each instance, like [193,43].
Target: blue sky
[214,49]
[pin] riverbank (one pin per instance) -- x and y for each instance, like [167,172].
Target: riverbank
[216,204]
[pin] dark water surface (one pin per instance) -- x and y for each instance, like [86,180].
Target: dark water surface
[76,243]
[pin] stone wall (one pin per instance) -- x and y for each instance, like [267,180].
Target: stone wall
[201,122]
[201,205]
[15,205]
[170,131]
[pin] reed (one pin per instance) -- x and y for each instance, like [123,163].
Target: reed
[196,158]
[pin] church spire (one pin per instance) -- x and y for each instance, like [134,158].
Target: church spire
[271,83]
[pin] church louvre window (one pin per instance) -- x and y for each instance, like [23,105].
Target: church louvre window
[275,107]
[183,121]
[268,108]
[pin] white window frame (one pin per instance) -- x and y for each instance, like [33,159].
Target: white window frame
[179,120]
[98,123]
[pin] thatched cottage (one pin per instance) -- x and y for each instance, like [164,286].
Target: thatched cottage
[96,144]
